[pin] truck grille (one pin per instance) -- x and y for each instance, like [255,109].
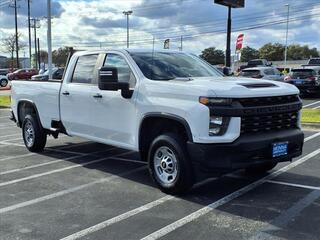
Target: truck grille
[267,101]
[270,122]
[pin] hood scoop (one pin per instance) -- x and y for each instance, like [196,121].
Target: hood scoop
[258,85]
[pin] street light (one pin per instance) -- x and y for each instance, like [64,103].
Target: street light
[127,13]
[287,32]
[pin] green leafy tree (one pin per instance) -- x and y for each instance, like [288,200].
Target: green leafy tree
[213,56]
[272,52]
[298,52]
[248,54]
[60,56]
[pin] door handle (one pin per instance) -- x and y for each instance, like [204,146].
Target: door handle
[66,93]
[97,95]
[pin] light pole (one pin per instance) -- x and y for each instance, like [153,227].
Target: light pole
[287,32]
[49,39]
[127,14]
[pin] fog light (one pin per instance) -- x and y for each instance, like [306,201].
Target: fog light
[214,131]
[216,120]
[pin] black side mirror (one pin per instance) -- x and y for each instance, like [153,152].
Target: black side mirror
[226,71]
[108,80]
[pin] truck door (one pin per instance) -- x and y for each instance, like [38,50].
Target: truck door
[114,116]
[76,97]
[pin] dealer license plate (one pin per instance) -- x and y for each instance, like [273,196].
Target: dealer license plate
[279,149]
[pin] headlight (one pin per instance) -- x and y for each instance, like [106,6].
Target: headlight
[215,101]
[218,125]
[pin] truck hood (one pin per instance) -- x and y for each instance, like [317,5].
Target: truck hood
[229,87]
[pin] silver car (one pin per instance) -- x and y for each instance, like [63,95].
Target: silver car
[268,73]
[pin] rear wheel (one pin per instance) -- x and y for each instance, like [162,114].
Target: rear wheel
[34,135]
[3,82]
[260,169]
[169,164]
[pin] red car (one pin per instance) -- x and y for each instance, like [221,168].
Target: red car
[25,73]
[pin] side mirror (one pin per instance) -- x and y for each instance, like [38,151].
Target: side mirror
[108,80]
[226,71]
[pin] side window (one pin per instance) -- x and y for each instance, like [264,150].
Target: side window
[84,71]
[269,72]
[124,72]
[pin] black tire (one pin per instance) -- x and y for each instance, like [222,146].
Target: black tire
[183,180]
[260,169]
[3,82]
[38,141]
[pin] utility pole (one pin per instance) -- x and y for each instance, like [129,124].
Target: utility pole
[287,32]
[29,28]
[181,43]
[127,14]
[16,30]
[49,38]
[228,50]
[35,25]
[39,60]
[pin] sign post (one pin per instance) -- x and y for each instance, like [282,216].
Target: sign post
[230,4]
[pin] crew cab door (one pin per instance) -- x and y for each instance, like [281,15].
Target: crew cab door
[77,105]
[115,118]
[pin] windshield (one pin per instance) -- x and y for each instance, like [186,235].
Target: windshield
[302,73]
[315,61]
[171,65]
[250,73]
[255,63]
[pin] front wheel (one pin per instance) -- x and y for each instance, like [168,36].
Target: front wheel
[3,82]
[169,165]
[34,135]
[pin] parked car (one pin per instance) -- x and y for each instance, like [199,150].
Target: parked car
[4,72]
[269,73]
[307,79]
[57,73]
[25,74]
[314,62]
[3,81]
[186,119]
[256,63]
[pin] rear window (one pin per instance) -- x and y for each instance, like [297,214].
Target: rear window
[255,63]
[315,61]
[303,73]
[250,73]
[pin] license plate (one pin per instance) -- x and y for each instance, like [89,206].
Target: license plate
[279,149]
[298,81]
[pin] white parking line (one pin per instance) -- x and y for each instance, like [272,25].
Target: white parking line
[138,210]
[311,104]
[294,185]
[67,191]
[47,149]
[58,170]
[316,107]
[10,135]
[312,137]
[53,162]
[128,214]
[5,117]
[203,211]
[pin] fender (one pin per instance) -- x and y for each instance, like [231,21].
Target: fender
[168,116]
[19,123]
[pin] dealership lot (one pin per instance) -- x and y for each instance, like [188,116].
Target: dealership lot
[80,189]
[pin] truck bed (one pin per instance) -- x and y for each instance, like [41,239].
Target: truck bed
[44,94]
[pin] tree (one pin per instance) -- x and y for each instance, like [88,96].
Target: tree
[60,56]
[9,45]
[272,52]
[213,56]
[248,54]
[298,52]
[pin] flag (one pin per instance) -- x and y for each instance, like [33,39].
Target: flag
[239,43]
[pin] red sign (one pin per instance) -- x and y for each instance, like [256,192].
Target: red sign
[239,43]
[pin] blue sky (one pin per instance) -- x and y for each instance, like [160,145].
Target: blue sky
[100,23]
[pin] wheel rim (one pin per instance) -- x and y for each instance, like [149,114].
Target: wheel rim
[29,134]
[165,165]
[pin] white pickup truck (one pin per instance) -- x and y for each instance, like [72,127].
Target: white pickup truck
[185,118]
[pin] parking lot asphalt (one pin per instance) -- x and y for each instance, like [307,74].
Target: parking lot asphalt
[77,189]
[311,103]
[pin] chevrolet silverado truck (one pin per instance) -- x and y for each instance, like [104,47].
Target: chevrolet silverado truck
[186,119]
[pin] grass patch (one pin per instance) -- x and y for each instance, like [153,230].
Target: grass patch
[310,116]
[4,101]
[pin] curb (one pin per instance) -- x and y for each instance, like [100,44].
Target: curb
[313,126]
